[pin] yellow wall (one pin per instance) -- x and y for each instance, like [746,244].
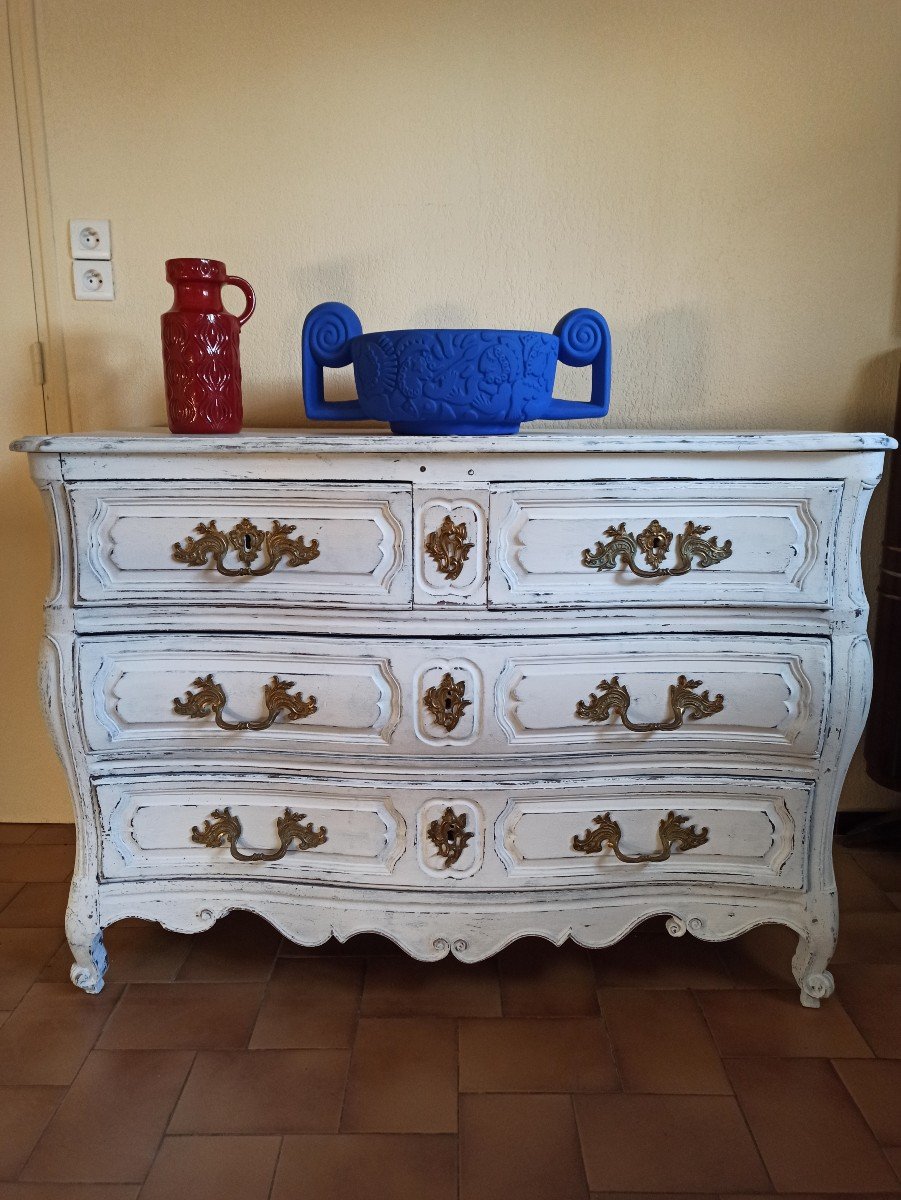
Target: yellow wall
[32,786]
[719,177]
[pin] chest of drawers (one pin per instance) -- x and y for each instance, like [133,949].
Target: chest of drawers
[457,690]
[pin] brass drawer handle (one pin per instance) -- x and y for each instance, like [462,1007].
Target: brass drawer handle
[247,540]
[210,699]
[671,832]
[448,546]
[445,702]
[653,543]
[221,826]
[449,836]
[614,697]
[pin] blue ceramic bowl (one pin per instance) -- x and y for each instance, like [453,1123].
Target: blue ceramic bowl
[435,381]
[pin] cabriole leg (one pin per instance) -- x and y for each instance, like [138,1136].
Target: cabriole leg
[85,938]
[815,948]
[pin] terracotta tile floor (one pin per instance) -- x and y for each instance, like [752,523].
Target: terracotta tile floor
[233,1066]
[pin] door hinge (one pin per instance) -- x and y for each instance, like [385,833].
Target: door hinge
[37,363]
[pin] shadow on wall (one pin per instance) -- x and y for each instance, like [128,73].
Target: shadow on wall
[660,370]
[660,375]
[117,369]
[871,404]
[896,323]
[125,381]
[872,407]
[283,406]
[662,362]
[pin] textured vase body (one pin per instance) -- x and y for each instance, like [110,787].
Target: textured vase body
[201,354]
[464,381]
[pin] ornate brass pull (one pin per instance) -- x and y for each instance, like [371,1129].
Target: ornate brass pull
[448,546]
[613,697]
[445,702]
[247,540]
[223,826]
[210,700]
[653,543]
[449,835]
[671,832]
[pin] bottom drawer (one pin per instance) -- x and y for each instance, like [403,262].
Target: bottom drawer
[247,826]
[618,830]
[722,829]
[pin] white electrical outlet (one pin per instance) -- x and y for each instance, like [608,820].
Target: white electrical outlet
[90,239]
[93,280]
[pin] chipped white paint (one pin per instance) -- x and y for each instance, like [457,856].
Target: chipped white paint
[124,537]
[779,628]
[538,534]
[327,440]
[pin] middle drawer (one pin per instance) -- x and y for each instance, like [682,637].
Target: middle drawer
[727,693]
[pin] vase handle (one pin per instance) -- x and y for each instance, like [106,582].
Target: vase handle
[325,342]
[238,282]
[584,340]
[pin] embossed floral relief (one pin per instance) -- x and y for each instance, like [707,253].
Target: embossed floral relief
[202,367]
[453,375]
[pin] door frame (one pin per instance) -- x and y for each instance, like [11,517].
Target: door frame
[21,17]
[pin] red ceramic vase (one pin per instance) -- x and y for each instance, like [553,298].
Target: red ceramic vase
[200,348]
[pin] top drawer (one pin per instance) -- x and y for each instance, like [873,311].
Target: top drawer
[654,542]
[338,543]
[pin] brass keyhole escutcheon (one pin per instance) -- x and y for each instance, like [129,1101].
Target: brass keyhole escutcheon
[449,835]
[446,701]
[448,547]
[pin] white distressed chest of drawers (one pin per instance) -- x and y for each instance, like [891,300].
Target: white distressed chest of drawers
[457,690]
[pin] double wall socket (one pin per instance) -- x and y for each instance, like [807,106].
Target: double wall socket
[92,267]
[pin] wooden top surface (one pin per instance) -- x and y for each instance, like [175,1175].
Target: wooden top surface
[328,439]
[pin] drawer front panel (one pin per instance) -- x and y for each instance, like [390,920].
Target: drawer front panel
[347,545]
[750,831]
[750,695]
[149,829]
[560,545]
[455,837]
[159,692]
[705,693]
